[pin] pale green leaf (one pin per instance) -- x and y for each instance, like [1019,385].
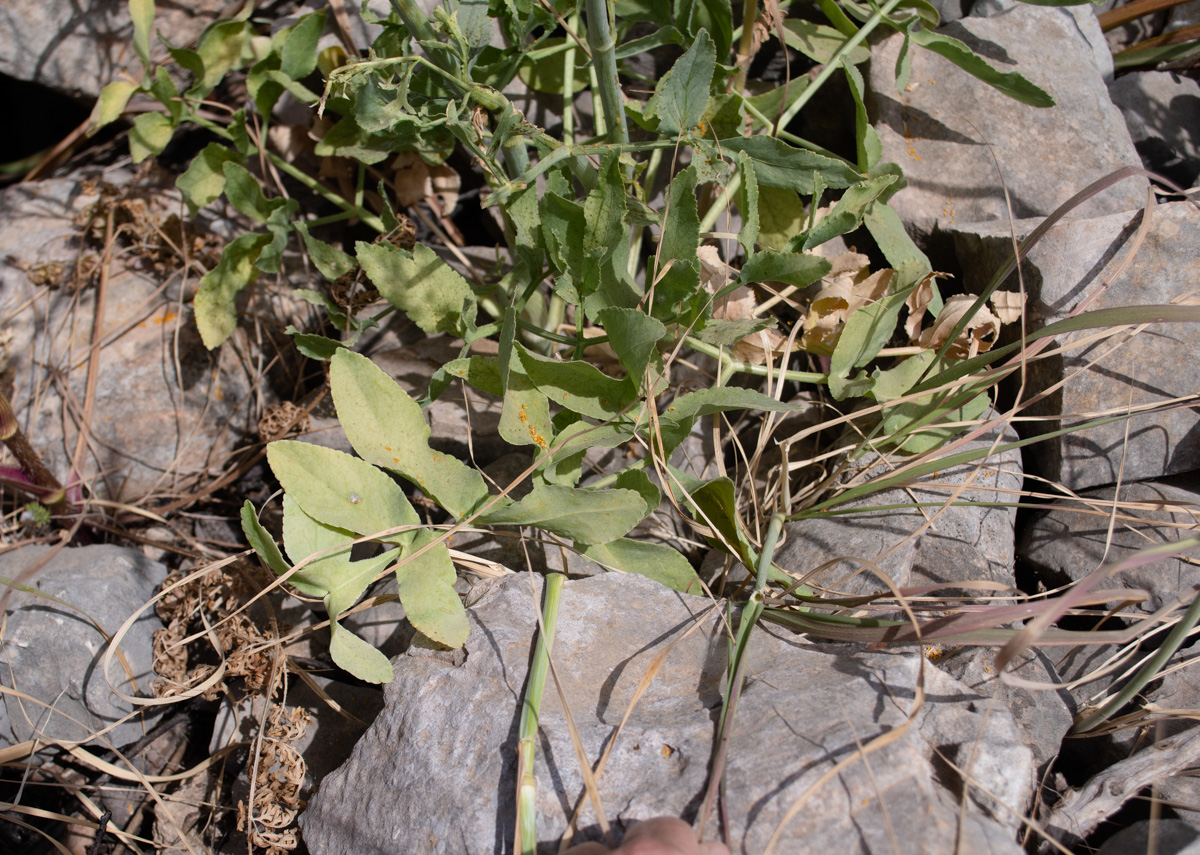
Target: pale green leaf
[638,481]
[792,268]
[634,336]
[426,589]
[579,386]
[747,202]
[480,372]
[780,165]
[204,179]
[781,215]
[818,42]
[1010,83]
[340,490]
[581,515]
[356,656]
[864,335]
[652,560]
[897,380]
[111,104]
[245,194]
[899,420]
[142,13]
[604,211]
[715,16]
[870,148]
[220,49]
[525,413]
[847,215]
[150,134]
[261,541]
[299,55]
[215,305]
[330,261]
[386,427]
[421,285]
[547,73]
[681,96]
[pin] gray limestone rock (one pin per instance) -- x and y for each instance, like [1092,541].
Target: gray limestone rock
[55,654]
[1075,259]
[1171,837]
[805,708]
[78,46]
[947,127]
[1072,541]
[1162,112]
[166,410]
[964,543]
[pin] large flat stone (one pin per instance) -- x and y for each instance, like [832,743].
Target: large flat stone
[447,736]
[1074,260]
[947,127]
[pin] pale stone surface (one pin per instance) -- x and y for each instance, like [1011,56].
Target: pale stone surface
[786,735]
[1162,112]
[947,127]
[56,655]
[77,46]
[166,411]
[1074,260]
[1072,541]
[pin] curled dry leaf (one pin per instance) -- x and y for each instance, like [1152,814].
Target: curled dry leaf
[741,303]
[1008,305]
[415,180]
[848,287]
[978,336]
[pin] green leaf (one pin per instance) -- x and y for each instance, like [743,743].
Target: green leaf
[142,13]
[563,227]
[356,656]
[317,347]
[899,420]
[111,104]
[747,203]
[421,285]
[525,413]
[604,210]
[638,481]
[244,193]
[723,399]
[578,386]
[818,42]
[1010,83]
[847,214]
[780,165]
[870,148]
[715,16]
[726,333]
[911,265]
[150,134]
[652,560]
[333,575]
[680,237]
[386,427]
[330,261]
[261,541]
[546,73]
[633,335]
[864,335]
[681,96]
[299,55]
[792,268]
[215,305]
[340,490]
[780,214]
[220,49]
[897,380]
[481,372]
[426,589]
[714,503]
[580,515]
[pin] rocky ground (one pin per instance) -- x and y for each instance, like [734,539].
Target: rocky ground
[105,372]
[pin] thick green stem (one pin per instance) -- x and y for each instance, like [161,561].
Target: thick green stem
[418,25]
[526,842]
[604,59]
[749,13]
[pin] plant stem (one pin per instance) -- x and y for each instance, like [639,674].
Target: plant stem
[44,485]
[749,13]
[526,842]
[834,64]
[749,368]
[604,59]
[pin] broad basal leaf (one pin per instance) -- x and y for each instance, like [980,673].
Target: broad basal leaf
[426,588]
[634,336]
[340,490]
[421,285]
[578,385]
[652,560]
[582,515]
[386,427]
[215,305]
[681,95]
[204,179]
[1010,83]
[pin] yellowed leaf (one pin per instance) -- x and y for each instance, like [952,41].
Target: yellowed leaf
[849,286]
[978,336]
[1008,305]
